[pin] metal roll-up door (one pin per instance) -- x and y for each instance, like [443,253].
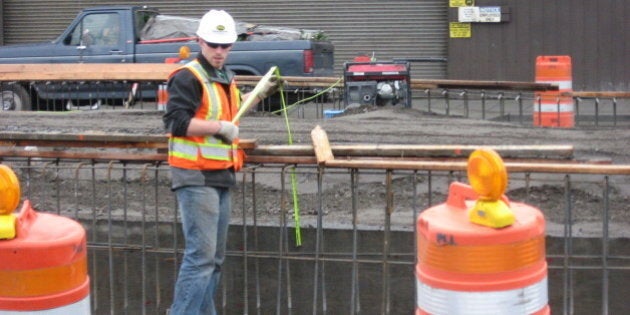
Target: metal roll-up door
[36,20]
[388,29]
[1,23]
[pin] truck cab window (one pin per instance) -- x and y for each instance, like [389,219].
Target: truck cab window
[140,19]
[96,29]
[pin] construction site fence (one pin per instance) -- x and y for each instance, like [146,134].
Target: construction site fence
[306,239]
[315,97]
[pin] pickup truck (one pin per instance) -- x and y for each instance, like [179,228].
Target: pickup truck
[84,41]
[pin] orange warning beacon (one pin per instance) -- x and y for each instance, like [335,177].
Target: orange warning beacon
[488,178]
[43,258]
[9,200]
[480,253]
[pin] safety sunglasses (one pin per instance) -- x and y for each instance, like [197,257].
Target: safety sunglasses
[215,45]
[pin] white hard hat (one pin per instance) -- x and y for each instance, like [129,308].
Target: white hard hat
[217,26]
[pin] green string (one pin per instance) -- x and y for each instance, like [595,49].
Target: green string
[294,189]
[294,194]
[284,108]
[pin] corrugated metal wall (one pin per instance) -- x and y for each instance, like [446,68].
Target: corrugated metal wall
[389,29]
[595,33]
[36,20]
[1,22]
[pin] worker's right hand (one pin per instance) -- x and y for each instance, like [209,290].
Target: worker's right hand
[228,131]
[271,87]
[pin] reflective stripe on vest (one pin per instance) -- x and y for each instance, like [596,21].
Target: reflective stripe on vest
[209,148]
[188,150]
[215,110]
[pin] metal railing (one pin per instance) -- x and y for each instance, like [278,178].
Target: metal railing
[590,109]
[496,105]
[96,86]
[356,225]
[357,251]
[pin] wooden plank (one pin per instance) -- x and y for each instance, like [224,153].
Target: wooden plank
[82,137]
[98,156]
[515,167]
[350,150]
[426,84]
[384,156]
[161,71]
[267,159]
[493,85]
[321,146]
[454,151]
[462,166]
[95,140]
[397,165]
[86,71]
[602,94]
[83,144]
[83,140]
[408,151]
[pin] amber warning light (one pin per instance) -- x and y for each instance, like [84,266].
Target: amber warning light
[9,200]
[488,178]
[184,52]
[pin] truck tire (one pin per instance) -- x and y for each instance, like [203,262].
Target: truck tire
[15,97]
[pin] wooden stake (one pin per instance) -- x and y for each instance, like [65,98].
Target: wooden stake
[321,146]
[254,94]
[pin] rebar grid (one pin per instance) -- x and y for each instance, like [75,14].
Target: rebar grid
[356,257]
[590,110]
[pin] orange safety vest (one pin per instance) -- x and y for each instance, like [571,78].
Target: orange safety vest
[208,152]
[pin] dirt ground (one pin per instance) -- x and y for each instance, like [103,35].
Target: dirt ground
[389,125]
[384,126]
[380,125]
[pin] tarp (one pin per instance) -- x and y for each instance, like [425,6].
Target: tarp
[170,27]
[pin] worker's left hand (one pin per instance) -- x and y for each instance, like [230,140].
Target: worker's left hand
[227,131]
[271,87]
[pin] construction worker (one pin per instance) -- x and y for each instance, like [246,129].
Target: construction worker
[203,98]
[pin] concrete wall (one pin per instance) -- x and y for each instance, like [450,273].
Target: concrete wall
[594,33]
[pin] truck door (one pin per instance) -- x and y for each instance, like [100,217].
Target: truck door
[97,38]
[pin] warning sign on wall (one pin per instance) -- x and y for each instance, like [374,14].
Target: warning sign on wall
[459,30]
[479,14]
[490,14]
[460,3]
[468,14]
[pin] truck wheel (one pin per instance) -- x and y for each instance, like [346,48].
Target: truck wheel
[15,97]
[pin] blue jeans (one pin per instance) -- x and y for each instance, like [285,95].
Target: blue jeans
[205,216]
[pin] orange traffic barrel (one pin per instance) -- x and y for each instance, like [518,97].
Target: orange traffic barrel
[468,268]
[162,97]
[552,108]
[43,265]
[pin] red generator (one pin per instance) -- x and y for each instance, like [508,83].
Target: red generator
[377,83]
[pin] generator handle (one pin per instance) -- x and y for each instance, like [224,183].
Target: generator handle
[424,59]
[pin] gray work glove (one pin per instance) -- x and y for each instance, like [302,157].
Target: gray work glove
[228,131]
[271,87]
